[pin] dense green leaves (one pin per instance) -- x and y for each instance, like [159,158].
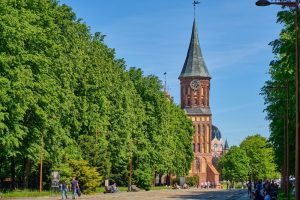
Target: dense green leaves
[252,160]
[261,155]
[282,80]
[64,90]
[234,166]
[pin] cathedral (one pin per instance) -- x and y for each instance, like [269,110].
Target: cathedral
[195,101]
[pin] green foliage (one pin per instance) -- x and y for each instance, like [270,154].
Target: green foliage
[234,165]
[282,74]
[192,180]
[88,177]
[63,91]
[261,155]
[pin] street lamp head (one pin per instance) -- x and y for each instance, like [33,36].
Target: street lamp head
[263,3]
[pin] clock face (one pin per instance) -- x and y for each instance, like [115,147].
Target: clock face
[195,84]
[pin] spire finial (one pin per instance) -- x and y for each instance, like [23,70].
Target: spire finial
[165,88]
[195,3]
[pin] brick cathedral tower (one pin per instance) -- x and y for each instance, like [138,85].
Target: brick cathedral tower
[195,87]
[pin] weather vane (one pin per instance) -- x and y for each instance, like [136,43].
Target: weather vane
[165,88]
[195,3]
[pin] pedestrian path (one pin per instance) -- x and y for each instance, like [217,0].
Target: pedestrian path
[188,194]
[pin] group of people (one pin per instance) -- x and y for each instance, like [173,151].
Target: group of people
[184,186]
[262,190]
[207,185]
[74,187]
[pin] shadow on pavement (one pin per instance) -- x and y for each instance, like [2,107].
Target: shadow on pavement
[206,195]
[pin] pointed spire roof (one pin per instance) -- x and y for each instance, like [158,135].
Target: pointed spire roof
[194,64]
[226,146]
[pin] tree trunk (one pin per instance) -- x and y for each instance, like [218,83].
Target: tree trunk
[13,172]
[168,179]
[27,169]
[159,179]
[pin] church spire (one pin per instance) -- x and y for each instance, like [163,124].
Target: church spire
[226,146]
[194,64]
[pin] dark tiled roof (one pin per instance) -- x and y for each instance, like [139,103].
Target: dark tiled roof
[197,111]
[194,64]
[216,133]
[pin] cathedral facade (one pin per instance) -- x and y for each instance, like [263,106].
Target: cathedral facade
[219,148]
[195,101]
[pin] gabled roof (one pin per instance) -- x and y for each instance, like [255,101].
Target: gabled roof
[194,64]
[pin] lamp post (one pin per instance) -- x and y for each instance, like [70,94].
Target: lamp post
[41,163]
[294,4]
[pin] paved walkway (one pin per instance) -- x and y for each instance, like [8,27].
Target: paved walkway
[189,194]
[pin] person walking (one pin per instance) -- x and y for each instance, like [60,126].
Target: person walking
[75,187]
[249,186]
[64,190]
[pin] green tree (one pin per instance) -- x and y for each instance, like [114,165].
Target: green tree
[282,73]
[234,165]
[261,156]
[65,92]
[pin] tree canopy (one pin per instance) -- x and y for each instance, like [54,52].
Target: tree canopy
[261,156]
[234,166]
[252,160]
[279,90]
[63,90]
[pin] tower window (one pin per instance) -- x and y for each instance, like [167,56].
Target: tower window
[202,101]
[194,147]
[199,147]
[195,101]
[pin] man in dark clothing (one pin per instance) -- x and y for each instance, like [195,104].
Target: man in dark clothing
[64,190]
[74,186]
[249,186]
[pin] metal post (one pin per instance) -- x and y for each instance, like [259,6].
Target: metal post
[297,145]
[41,165]
[284,157]
[287,142]
[130,175]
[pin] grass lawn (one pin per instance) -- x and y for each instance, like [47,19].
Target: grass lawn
[26,193]
[36,193]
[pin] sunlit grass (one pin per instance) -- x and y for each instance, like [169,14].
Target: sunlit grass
[26,193]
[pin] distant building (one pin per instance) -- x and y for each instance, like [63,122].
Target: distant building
[218,148]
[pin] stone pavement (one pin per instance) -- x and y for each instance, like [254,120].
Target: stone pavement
[188,194]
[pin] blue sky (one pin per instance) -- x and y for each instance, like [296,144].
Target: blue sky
[234,35]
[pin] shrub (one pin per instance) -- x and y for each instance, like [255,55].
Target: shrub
[88,177]
[192,180]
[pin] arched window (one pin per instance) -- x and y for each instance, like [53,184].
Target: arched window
[197,164]
[194,147]
[196,101]
[215,147]
[199,147]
